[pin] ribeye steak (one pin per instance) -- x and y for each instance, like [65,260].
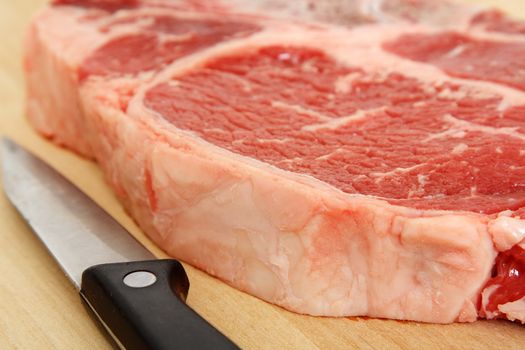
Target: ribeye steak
[362,159]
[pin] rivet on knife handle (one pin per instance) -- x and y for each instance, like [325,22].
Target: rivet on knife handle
[148,310]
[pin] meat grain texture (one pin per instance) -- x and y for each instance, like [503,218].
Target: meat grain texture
[337,160]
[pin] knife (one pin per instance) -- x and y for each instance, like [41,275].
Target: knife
[140,301]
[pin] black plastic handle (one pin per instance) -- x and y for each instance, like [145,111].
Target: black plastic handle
[147,310]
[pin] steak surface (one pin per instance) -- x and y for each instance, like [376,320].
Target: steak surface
[334,162]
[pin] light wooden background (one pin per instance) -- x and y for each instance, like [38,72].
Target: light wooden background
[39,309]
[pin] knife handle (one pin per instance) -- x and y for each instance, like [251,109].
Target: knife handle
[142,305]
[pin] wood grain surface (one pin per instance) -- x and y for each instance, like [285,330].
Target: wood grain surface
[39,309]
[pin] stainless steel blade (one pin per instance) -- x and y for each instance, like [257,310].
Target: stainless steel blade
[76,231]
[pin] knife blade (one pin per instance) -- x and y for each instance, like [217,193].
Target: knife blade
[139,300]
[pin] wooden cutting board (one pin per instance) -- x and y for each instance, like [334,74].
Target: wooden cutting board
[39,309]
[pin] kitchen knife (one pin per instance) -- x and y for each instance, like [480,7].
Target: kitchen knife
[140,301]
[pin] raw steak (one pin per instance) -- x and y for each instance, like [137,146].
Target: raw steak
[371,167]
